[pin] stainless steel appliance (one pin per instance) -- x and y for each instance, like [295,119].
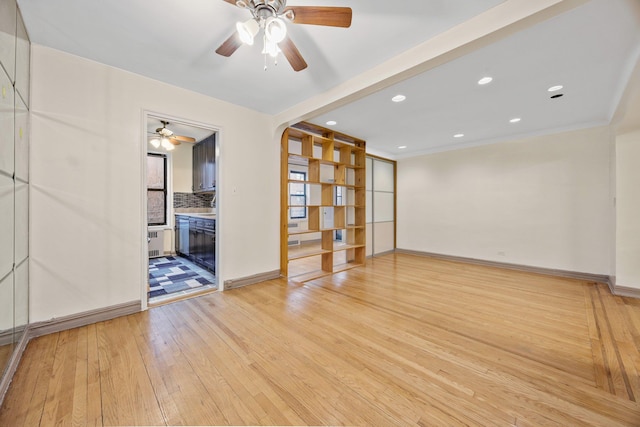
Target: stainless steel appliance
[182,235]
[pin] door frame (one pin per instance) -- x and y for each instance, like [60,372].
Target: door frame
[144,149]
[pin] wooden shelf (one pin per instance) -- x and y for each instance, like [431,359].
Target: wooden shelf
[349,227]
[343,267]
[327,206]
[330,160]
[302,158]
[345,247]
[333,184]
[309,253]
[311,275]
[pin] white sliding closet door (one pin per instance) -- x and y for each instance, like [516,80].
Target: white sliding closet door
[380,206]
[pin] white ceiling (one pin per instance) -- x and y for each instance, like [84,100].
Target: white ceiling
[590,50]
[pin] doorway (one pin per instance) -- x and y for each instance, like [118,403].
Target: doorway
[180,209]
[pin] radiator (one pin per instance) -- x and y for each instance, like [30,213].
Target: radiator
[156,243]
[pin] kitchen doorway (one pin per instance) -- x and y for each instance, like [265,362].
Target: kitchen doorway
[180,208]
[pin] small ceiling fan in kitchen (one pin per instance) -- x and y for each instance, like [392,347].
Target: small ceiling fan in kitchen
[166,138]
[271,17]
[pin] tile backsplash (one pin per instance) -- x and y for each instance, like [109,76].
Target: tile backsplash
[190,200]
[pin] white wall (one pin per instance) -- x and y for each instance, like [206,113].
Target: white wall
[87,229]
[628,210]
[543,201]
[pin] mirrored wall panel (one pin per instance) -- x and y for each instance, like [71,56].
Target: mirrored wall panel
[14,180]
[380,206]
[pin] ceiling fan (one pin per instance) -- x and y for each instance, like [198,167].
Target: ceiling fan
[270,16]
[166,137]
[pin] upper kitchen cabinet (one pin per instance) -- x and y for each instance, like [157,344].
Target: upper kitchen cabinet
[204,165]
[23,56]
[8,12]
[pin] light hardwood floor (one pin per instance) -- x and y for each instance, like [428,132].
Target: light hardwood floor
[405,340]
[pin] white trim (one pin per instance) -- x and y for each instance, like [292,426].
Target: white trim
[621,290]
[82,319]
[626,291]
[250,280]
[600,278]
[144,247]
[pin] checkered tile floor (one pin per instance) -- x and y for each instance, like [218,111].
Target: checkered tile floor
[170,275]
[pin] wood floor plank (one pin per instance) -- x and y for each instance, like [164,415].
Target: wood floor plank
[128,397]
[24,407]
[94,391]
[406,340]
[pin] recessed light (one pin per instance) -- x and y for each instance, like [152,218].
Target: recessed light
[332,123]
[555,88]
[458,135]
[398,98]
[402,147]
[515,120]
[485,80]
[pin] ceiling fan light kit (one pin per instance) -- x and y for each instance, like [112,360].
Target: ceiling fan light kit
[269,16]
[247,31]
[166,138]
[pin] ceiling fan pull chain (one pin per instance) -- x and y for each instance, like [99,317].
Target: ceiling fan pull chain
[264,44]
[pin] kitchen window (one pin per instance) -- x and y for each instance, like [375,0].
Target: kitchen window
[298,195]
[156,189]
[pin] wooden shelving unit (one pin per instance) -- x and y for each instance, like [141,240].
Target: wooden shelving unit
[334,236]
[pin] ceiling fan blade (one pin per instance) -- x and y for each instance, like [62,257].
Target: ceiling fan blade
[233,2]
[230,45]
[292,54]
[174,140]
[184,138]
[321,15]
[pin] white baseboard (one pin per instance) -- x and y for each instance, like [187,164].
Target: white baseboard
[82,319]
[250,280]
[623,291]
[600,278]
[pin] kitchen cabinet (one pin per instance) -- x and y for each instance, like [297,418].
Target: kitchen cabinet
[202,241]
[209,244]
[204,165]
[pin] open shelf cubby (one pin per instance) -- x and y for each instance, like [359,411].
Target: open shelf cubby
[323,229]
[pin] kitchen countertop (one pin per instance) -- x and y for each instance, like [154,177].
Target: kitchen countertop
[202,215]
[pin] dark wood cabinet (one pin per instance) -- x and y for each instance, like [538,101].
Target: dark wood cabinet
[209,253]
[202,242]
[204,165]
